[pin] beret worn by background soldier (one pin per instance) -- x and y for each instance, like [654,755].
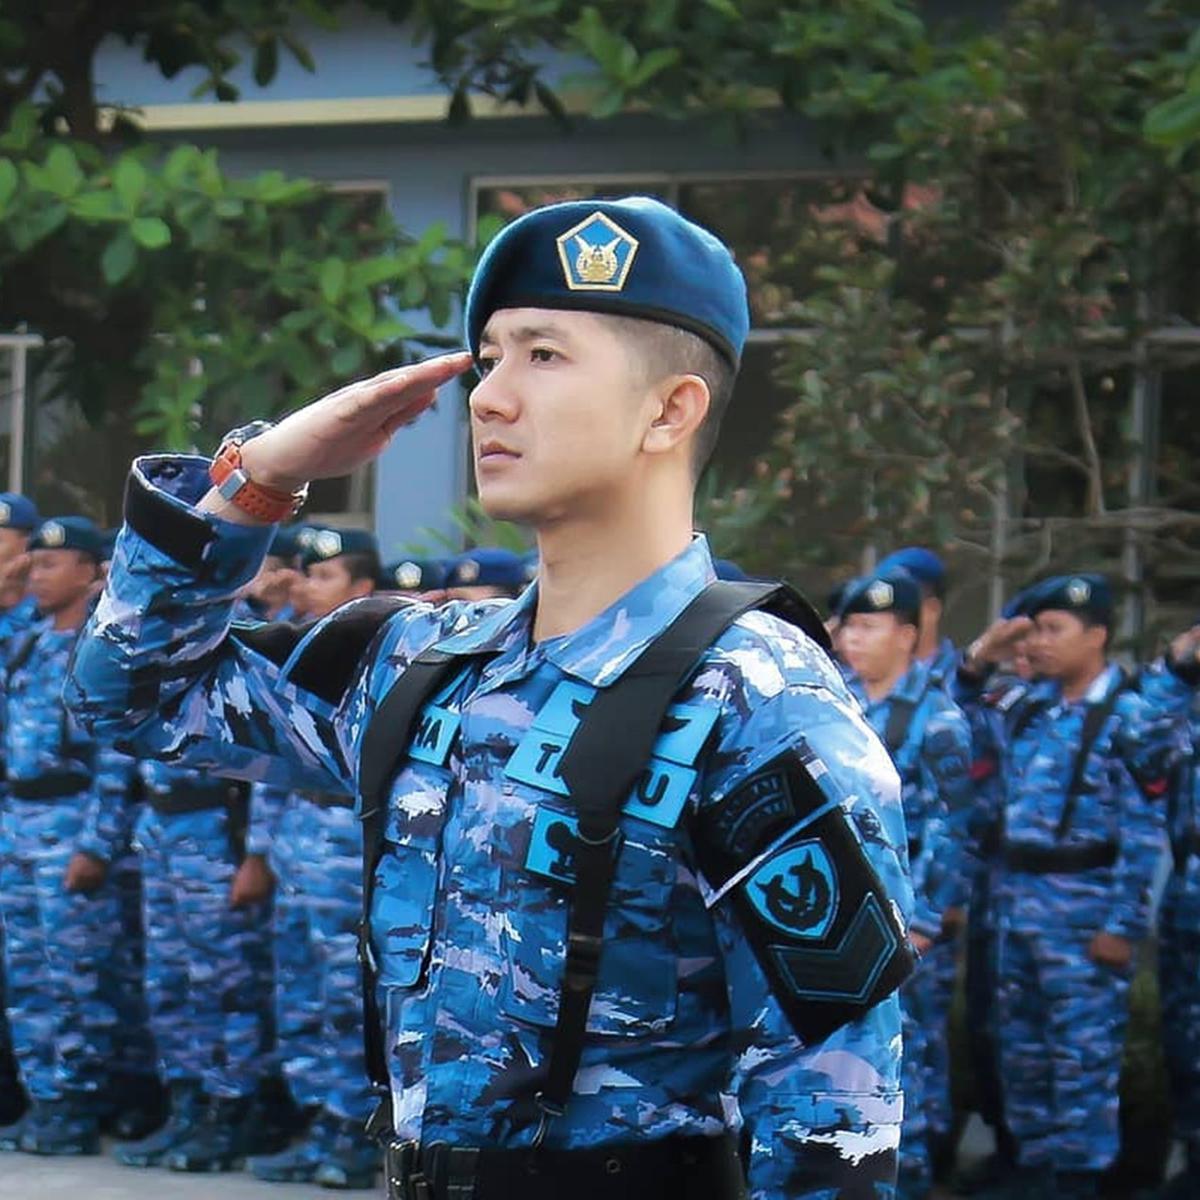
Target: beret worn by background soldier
[325,544]
[69,533]
[1088,597]
[893,591]
[18,512]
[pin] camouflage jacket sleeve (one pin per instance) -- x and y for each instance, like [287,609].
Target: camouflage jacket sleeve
[156,671]
[944,772]
[266,807]
[1152,736]
[1142,825]
[109,815]
[839,1096]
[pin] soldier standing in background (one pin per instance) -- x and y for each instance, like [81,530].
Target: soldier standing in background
[67,885]
[929,740]
[315,848]
[18,518]
[1084,830]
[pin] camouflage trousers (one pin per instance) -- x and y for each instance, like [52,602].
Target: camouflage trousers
[925,1001]
[207,965]
[1179,985]
[317,859]
[73,961]
[1060,1032]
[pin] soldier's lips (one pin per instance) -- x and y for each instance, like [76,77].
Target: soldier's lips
[494,454]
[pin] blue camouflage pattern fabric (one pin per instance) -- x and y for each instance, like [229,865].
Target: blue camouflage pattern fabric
[207,975]
[316,857]
[73,961]
[688,1036]
[934,762]
[1179,913]
[985,710]
[13,621]
[1061,1016]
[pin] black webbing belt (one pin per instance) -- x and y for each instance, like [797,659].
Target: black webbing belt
[1035,859]
[600,766]
[181,800]
[53,785]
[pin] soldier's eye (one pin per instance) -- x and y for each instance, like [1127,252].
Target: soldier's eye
[484,366]
[543,355]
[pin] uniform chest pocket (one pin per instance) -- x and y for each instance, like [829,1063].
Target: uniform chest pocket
[405,888]
[636,991]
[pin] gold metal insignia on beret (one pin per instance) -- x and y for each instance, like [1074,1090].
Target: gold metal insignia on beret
[327,543]
[408,575]
[468,571]
[52,535]
[304,538]
[881,594]
[596,255]
[1079,592]
[5,512]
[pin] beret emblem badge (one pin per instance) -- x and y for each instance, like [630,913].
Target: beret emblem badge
[880,595]
[596,255]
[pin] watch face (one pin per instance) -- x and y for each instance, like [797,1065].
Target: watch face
[243,433]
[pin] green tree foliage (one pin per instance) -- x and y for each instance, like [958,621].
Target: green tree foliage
[179,298]
[984,314]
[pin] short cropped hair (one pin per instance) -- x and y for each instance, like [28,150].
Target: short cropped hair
[362,564]
[669,350]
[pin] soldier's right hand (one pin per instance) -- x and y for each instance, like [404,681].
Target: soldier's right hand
[998,641]
[1185,649]
[340,432]
[252,883]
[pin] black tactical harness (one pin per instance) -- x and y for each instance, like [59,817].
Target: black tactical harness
[600,766]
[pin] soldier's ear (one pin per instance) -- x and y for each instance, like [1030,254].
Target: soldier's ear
[682,404]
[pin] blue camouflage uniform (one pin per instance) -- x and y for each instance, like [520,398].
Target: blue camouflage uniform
[205,961]
[73,961]
[932,755]
[1173,689]
[691,1037]
[1062,879]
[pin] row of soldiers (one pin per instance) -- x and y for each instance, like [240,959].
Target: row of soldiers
[1046,793]
[180,952]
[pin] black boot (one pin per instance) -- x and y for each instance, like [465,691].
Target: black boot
[187,1107]
[141,1107]
[226,1134]
[1185,1185]
[1078,1185]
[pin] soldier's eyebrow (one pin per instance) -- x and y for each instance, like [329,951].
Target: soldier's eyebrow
[523,334]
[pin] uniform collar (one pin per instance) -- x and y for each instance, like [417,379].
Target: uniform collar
[910,686]
[1099,689]
[603,649]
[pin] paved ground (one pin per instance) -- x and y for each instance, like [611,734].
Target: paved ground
[24,1177]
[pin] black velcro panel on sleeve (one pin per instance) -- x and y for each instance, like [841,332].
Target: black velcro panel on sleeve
[329,661]
[179,534]
[274,640]
[813,908]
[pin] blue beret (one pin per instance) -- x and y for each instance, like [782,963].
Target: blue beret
[837,595]
[487,566]
[727,569]
[286,542]
[18,512]
[324,543]
[893,591]
[69,533]
[633,257]
[415,574]
[1087,596]
[923,565]
[1018,605]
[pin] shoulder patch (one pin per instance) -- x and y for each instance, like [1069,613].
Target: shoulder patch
[782,850]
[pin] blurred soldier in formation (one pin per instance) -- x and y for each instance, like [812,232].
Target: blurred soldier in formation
[68,881]
[18,519]
[929,740]
[1083,766]
[315,855]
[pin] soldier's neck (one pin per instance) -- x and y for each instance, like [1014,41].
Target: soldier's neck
[1076,686]
[587,564]
[881,688]
[71,616]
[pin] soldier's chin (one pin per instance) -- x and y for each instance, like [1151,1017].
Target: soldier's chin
[506,504]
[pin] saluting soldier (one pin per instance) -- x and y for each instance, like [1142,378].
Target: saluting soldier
[625,937]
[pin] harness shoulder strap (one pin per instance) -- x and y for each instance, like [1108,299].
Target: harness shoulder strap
[1095,717]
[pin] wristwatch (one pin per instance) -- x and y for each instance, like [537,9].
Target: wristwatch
[266,504]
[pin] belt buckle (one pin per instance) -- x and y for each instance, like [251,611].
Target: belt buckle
[402,1167]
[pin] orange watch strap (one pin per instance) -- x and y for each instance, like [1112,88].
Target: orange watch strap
[260,502]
